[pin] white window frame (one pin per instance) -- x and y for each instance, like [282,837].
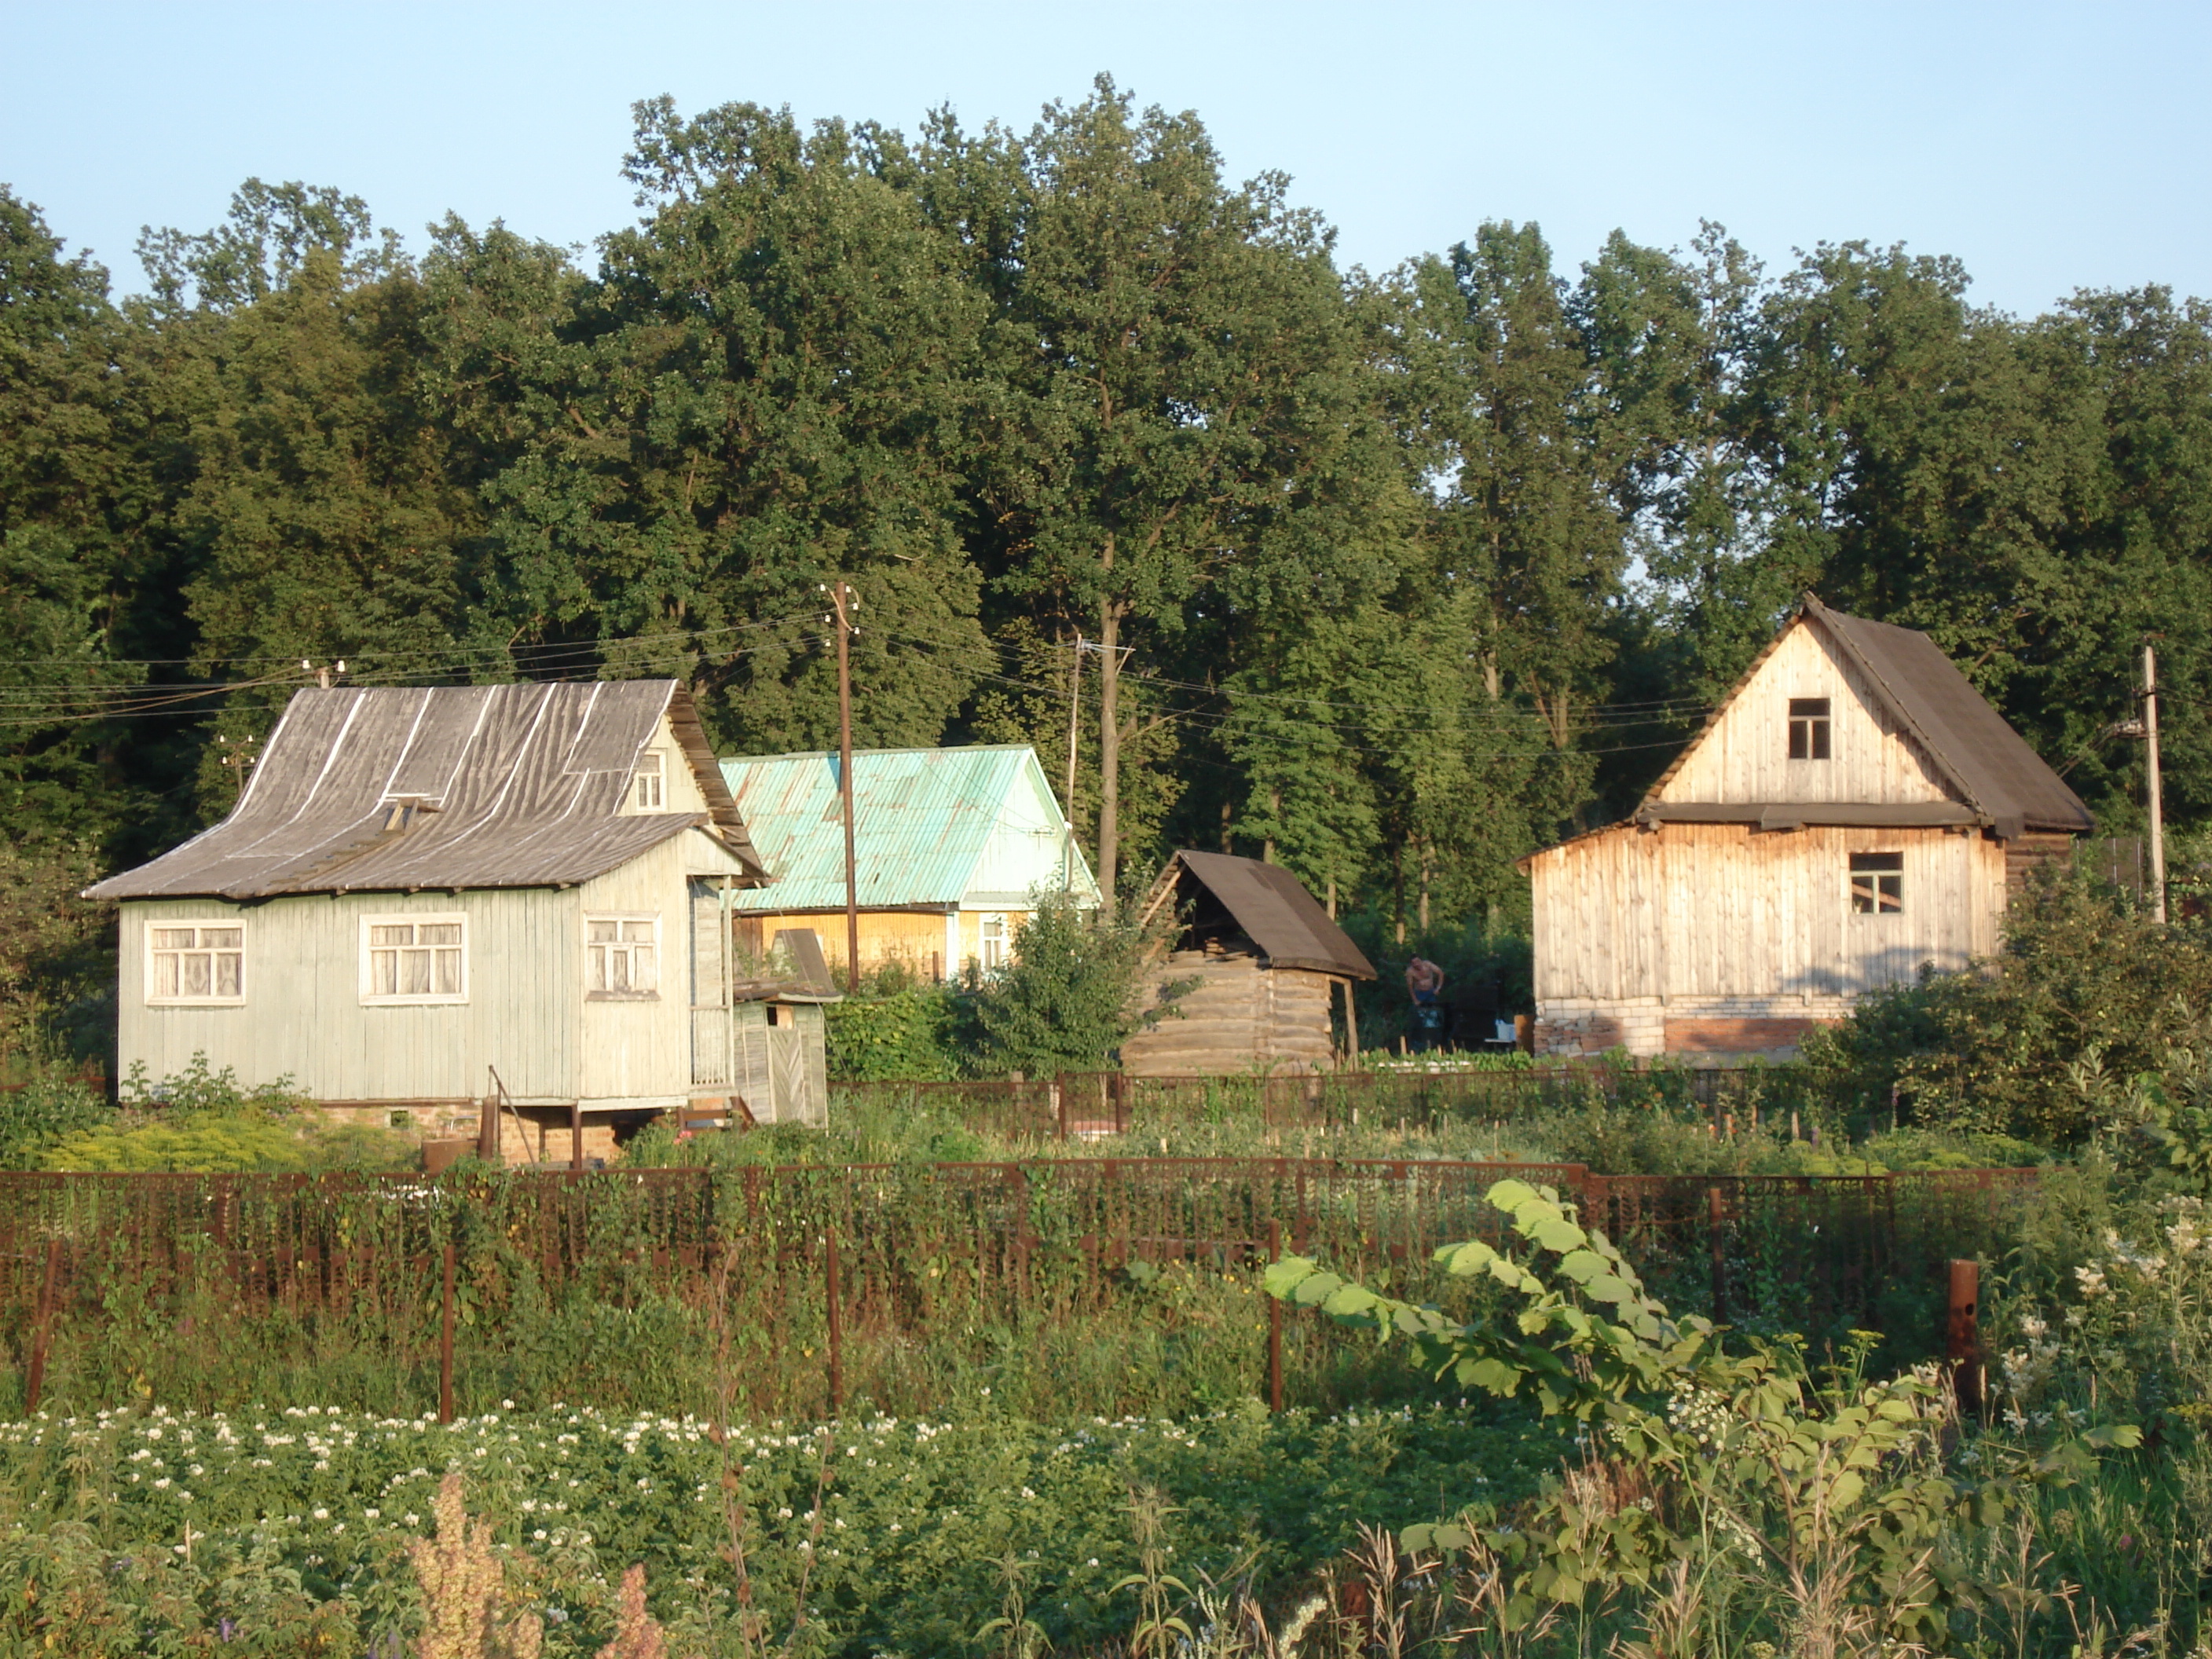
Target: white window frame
[656,945]
[994,953]
[371,998]
[154,998]
[650,779]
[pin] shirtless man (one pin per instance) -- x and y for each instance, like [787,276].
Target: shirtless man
[1424,979]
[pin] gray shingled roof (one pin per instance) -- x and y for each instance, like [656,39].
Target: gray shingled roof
[1273,909]
[399,788]
[1997,773]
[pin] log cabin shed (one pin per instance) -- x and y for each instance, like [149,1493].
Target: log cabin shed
[1268,962]
[1852,810]
[502,910]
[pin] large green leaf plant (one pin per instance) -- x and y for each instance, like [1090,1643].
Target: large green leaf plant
[1718,1490]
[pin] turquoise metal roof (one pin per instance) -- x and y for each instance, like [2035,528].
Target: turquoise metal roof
[931,827]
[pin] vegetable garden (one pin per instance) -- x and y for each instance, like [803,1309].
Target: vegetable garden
[1097,1286]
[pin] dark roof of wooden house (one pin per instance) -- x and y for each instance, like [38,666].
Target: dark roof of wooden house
[1997,780]
[1266,904]
[1998,774]
[402,788]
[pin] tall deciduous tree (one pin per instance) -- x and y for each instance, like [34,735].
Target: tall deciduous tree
[67,477]
[763,391]
[1174,366]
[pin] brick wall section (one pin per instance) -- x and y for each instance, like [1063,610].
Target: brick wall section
[1736,1036]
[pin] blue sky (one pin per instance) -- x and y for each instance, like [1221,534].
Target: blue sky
[2050,147]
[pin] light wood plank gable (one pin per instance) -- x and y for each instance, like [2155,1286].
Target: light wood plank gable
[1742,755]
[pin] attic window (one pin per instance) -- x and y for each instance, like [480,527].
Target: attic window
[1877,883]
[649,788]
[1808,728]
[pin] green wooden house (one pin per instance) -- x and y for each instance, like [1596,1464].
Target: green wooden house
[505,910]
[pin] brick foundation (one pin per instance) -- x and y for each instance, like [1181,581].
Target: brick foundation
[1769,1037]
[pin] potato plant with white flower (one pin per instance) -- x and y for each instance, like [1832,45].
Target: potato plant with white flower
[308,1518]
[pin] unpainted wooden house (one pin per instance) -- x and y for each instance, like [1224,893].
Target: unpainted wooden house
[951,846]
[500,910]
[1269,965]
[1853,810]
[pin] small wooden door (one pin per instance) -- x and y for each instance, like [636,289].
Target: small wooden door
[786,1053]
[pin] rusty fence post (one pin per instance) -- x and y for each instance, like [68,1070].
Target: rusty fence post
[42,1337]
[1274,1325]
[1715,1219]
[446,1341]
[836,1332]
[1962,1335]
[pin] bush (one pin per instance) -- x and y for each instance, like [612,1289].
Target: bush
[198,1089]
[36,1117]
[898,1028]
[1070,996]
[200,1142]
[2085,989]
[200,1121]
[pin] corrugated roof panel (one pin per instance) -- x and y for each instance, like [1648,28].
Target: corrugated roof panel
[513,808]
[925,824]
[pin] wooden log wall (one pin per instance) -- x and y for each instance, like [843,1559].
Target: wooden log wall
[1240,1015]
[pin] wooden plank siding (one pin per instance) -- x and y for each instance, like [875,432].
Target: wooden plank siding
[1241,1016]
[303,1018]
[1745,754]
[1638,928]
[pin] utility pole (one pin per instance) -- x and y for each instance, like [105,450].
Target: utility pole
[1075,736]
[840,596]
[2151,788]
[323,674]
[237,756]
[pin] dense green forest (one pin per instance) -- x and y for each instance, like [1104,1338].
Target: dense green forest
[1391,576]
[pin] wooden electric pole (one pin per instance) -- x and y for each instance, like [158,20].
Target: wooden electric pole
[2151,787]
[840,595]
[1074,737]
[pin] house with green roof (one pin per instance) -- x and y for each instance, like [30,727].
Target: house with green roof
[951,846]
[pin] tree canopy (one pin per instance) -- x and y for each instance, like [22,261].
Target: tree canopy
[1390,577]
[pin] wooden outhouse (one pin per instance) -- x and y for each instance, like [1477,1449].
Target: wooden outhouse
[950,845]
[503,910]
[1268,962]
[1852,811]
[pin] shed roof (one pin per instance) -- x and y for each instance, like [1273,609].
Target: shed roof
[924,823]
[1272,907]
[397,788]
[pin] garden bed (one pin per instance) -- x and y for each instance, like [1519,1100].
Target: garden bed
[130,1529]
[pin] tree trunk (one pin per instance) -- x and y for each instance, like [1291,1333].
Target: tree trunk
[1109,742]
[1428,862]
[1398,885]
[1227,811]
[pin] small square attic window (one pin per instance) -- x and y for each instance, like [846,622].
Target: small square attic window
[1808,728]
